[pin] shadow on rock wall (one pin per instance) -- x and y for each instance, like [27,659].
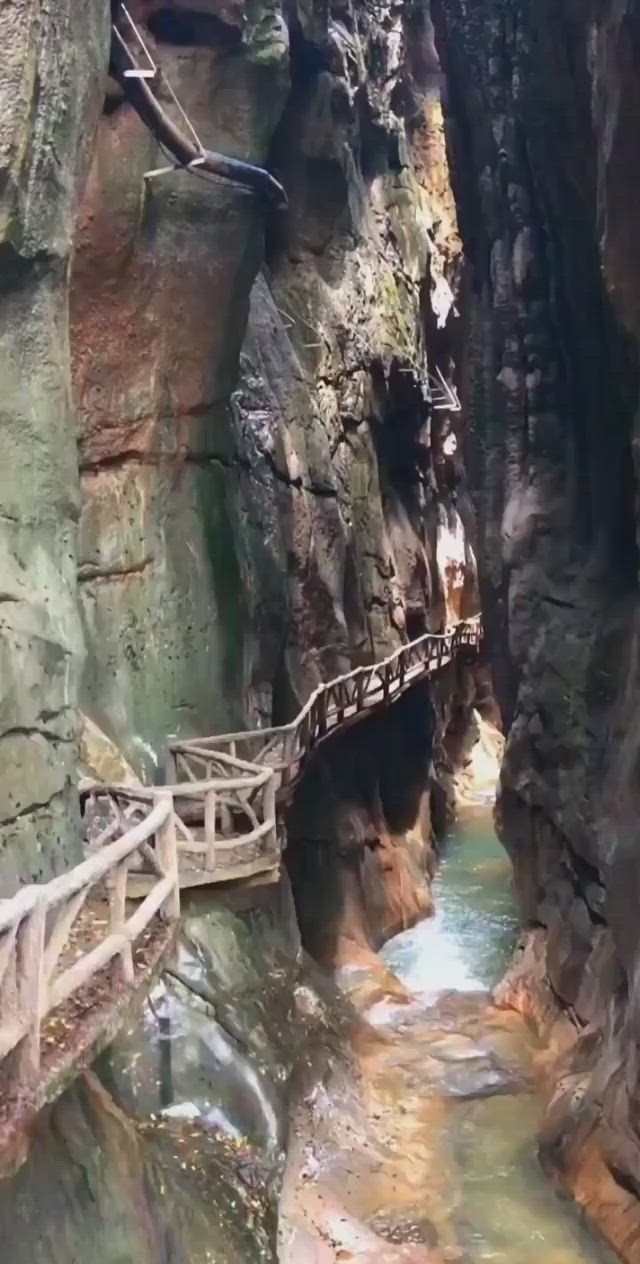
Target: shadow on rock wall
[363,825]
[171,1150]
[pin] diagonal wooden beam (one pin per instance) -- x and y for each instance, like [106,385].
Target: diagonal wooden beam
[139,93]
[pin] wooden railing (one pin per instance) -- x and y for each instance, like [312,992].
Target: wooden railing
[226,789]
[220,822]
[225,806]
[43,963]
[332,705]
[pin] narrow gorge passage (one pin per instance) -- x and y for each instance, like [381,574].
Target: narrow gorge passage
[355,362]
[506,1208]
[431,1152]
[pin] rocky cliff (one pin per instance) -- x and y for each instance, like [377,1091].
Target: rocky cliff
[222,476]
[252,386]
[542,122]
[264,495]
[170,1150]
[50,103]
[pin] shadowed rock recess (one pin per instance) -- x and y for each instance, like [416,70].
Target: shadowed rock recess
[542,119]
[266,498]
[223,479]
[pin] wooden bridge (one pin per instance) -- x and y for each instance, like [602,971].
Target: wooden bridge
[76,950]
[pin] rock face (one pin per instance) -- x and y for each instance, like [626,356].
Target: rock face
[542,113]
[265,495]
[363,827]
[261,505]
[360,832]
[50,100]
[169,1151]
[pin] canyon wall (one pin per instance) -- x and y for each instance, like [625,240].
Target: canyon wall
[266,497]
[170,1149]
[50,102]
[259,499]
[542,120]
[365,821]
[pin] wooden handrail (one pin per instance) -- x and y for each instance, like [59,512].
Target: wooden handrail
[180,789]
[472,627]
[238,811]
[96,867]
[35,926]
[282,750]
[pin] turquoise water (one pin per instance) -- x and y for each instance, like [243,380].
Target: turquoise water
[467,944]
[508,1211]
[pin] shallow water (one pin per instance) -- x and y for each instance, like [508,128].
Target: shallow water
[507,1211]
[468,942]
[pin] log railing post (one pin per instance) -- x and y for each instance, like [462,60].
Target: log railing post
[341,700]
[269,808]
[210,805]
[9,1011]
[167,852]
[31,988]
[117,885]
[359,693]
[226,820]
[287,756]
[170,769]
[385,683]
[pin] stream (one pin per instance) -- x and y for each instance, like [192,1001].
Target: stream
[510,1209]
[432,1157]
[402,1105]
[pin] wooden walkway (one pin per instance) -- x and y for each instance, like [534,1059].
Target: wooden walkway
[230,791]
[74,951]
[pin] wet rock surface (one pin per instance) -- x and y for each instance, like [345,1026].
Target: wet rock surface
[364,825]
[425,1148]
[542,103]
[266,499]
[171,1148]
[255,1113]
[50,101]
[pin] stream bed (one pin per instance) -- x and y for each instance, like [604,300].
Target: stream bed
[509,1208]
[427,1153]
[399,1110]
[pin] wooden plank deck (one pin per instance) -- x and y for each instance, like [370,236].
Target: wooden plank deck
[64,969]
[334,706]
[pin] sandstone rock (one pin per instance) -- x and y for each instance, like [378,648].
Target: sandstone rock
[541,118]
[50,97]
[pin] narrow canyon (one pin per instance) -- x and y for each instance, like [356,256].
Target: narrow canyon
[320,348]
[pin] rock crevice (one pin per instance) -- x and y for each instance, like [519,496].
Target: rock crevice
[539,108]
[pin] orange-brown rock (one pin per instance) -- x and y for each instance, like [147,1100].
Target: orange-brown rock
[543,106]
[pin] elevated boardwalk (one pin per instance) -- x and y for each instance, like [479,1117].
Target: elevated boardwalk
[230,791]
[75,951]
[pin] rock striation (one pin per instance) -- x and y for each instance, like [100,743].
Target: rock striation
[542,108]
[265,495]
[50,103]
